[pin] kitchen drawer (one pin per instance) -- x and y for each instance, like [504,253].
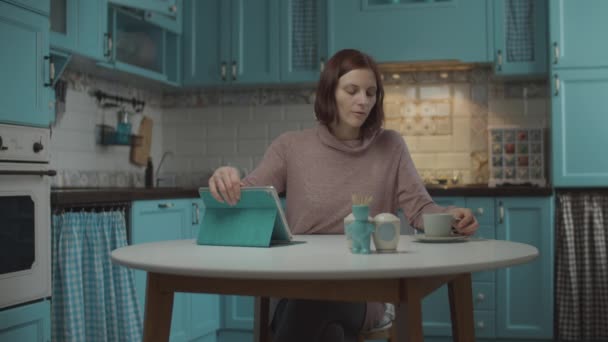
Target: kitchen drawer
[483,209]
[484,296]
[488,276]
[485,324]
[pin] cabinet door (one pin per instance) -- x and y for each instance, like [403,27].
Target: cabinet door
[238,312]
[520,37]
[161,221]
[525,292]
[81,27]
[254,42]
[303,39]
[40,6]
[205,308]
[27,323]
[167,7]
[579,118]
[406,30]
[24,93]
[63,24]
[206,39]
[576,33]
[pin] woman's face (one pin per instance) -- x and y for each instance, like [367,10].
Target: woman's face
[355,98]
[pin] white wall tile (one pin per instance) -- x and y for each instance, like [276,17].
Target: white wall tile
[251,130]
[251,147]
[267,113]
[303,113]
[235,114]
[226,131]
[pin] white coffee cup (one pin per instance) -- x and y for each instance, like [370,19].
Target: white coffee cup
[386,232]
[439,224]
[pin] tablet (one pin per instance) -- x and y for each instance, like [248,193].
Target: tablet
[257,198]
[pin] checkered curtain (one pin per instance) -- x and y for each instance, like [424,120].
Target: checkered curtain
[582,266]
[520,30]
[93,300]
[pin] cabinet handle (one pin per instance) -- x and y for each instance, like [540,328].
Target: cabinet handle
[479,211]
[322,64]
[223,71]
[555,53]
[481,324]
[481,297]
[108,39]
[234,70]
[51,71]
[165,205]
[557,84]
[499,60]
[501,210]
[173,8]
[196,213]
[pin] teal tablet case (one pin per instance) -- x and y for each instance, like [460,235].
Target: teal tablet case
[254,221]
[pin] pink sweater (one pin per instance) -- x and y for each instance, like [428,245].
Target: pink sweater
[319,173]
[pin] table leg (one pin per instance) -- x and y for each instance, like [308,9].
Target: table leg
[408,315]
[260,320]
[159,307]
[461,308]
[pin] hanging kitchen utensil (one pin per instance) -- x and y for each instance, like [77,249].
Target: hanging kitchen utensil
[141,152]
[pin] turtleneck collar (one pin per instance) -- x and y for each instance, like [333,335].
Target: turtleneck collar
[348,146]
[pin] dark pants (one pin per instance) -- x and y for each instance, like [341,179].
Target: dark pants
[297,320]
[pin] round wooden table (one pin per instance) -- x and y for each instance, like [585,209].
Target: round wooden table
[320,267]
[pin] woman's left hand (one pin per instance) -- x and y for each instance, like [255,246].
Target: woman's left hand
[466,223]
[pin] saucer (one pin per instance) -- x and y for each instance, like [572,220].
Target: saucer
[453,238]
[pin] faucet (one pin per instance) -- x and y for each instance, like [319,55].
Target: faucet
[162,159]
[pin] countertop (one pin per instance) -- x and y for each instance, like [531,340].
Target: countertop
[79,196]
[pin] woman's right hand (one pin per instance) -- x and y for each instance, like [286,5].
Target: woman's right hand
[225,185]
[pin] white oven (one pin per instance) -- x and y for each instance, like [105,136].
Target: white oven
[25,227]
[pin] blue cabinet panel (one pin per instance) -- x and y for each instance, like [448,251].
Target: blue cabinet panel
[238,312]
[525,292]
[196,316]
[411,30]
[229,42]
[27,323]
[520,37]
[25,91]
[303,48]
[572,31]
[579,117]
[161,221]
[40,6]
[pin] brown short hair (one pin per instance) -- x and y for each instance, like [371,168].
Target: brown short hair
[342,62]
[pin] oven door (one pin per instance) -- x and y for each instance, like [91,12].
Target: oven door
[25,259]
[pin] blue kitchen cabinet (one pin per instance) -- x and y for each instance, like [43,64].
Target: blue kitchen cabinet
[194,315]
[204,308]
[576,33]
[398,31]
[435,307]
[141,47]
[520,37]
[579,119]
[524,299]
[40,6]
[80,26]
[303,35]
[164,13]
[26,323]
[230,42]
[512,303]
[25,67]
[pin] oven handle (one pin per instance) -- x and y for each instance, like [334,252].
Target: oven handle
[27,173]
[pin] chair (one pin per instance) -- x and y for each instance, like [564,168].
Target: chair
[263,333]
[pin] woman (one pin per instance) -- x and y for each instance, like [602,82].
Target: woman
[320,168]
